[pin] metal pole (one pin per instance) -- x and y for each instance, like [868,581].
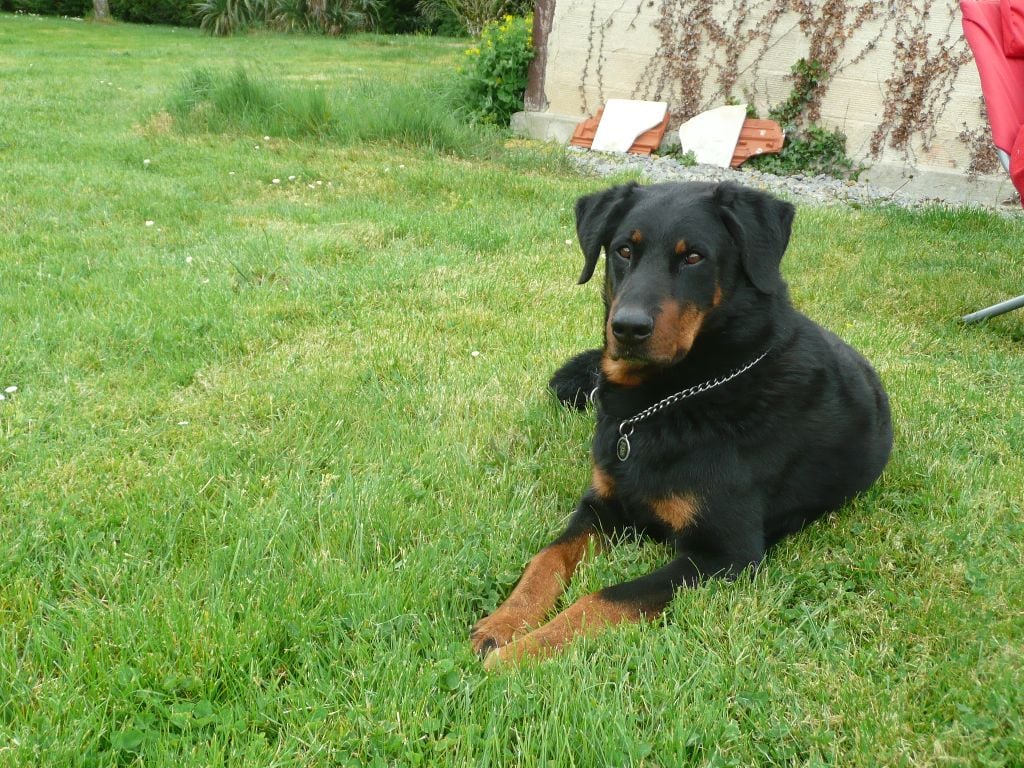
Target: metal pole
[996,309]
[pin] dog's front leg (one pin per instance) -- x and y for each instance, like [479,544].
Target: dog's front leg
[541,584]
[576,380]
[641,598]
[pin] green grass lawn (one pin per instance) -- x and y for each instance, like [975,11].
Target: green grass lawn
[275,447]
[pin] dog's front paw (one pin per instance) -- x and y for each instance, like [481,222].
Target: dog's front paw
[574,383]
[529,646]
[492,661]
[493,632]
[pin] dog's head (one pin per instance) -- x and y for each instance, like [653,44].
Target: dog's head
[675,254]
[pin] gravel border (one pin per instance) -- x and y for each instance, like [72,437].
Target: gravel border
[808,190]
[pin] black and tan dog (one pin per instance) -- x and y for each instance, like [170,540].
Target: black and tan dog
[725,418]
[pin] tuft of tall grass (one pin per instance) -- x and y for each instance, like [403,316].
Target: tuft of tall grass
[406,114]
[251,104]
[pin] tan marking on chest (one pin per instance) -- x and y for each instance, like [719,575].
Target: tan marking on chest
[676,511]
[603,483]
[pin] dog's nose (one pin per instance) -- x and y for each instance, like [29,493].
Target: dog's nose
[631,325]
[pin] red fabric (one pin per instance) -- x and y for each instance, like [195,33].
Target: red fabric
[1002,80]
[1012,14]
[1017,164]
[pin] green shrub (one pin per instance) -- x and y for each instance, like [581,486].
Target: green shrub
[812,149]
[331,17]
[175,12]
[223,17]
[442,21]
[473,15]
[807,76]
[398,17]
[335,17]
[494,76]
[76,8]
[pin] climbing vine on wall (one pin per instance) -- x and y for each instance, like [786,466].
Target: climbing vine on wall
[705,50]
[701,42]
[921,84]
[979,142]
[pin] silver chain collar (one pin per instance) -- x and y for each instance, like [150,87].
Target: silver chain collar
[622,447]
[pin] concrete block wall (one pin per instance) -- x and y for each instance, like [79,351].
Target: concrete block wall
[902,83]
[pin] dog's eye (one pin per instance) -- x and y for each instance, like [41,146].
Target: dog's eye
[625,252]
[692,258]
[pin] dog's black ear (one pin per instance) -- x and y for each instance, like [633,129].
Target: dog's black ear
[596,214]
[760,224]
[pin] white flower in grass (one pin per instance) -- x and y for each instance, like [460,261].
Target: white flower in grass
[266,138]
[188,259]
[291,178]
[275,181]
[11,390]
[149,222]
[475,353]
[146,162]
[3,397]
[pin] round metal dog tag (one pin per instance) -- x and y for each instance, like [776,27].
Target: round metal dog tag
[622,448]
